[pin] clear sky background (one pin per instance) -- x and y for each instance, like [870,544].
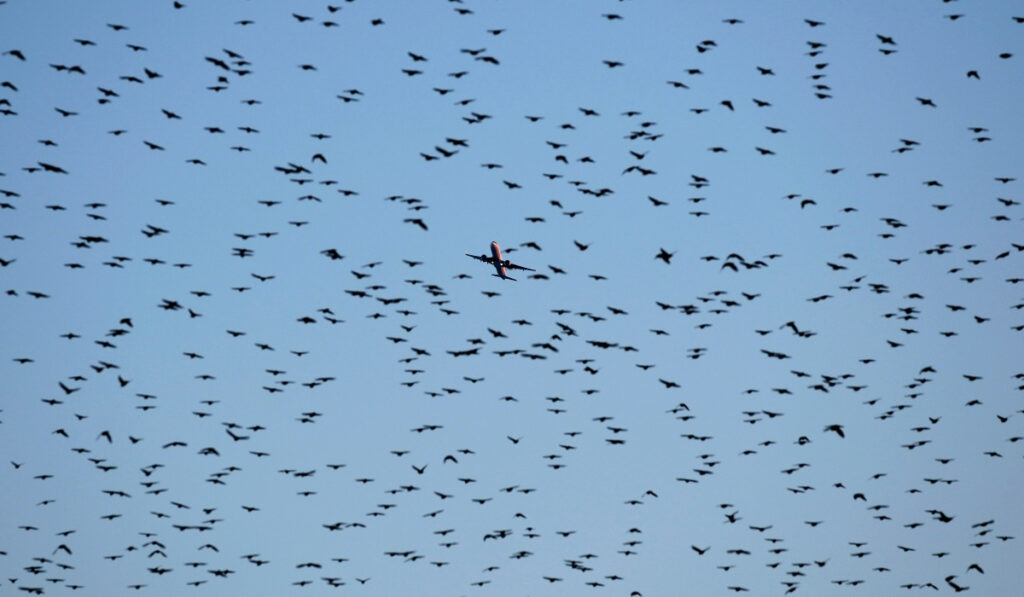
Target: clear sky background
[835,185]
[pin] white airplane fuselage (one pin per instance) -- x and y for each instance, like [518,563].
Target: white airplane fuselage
[499,263]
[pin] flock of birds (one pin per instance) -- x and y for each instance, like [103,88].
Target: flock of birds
[234,366]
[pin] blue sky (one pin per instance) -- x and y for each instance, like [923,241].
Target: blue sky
[832,169]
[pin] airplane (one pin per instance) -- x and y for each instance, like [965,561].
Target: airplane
[500,265]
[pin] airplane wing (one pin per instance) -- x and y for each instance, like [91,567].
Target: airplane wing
[504,263]
[483,258]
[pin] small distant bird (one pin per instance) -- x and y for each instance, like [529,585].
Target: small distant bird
[416,221]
